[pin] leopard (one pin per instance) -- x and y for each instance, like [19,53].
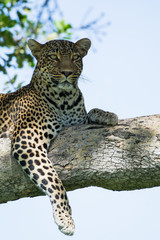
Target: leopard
[33,115]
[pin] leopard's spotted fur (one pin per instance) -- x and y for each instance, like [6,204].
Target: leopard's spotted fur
[34,115]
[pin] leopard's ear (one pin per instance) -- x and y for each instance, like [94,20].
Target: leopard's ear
[35,47]
[83,46]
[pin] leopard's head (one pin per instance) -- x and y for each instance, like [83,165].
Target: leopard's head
[61,60]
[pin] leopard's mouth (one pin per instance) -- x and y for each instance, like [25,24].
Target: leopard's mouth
[65,85]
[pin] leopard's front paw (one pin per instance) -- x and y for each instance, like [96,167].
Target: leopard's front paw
[99,116]
[65,222]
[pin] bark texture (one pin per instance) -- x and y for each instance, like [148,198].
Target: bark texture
[124,157]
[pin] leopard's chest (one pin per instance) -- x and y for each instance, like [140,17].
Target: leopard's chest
[67,116]
[71,118]
[54,121]
[67,107]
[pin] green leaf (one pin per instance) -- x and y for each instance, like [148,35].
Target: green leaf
[22,18]
[6,21]
[62,26]
[2,69]
[7,39]
[12,81]
[19,85]
[27,9]
[67,26]
[6,83]
[5,2]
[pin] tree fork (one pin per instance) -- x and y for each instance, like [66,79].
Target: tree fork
[124,157]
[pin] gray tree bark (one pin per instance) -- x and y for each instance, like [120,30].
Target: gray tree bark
[124,157]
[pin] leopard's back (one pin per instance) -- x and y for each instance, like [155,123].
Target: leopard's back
[6,100]
[12,105]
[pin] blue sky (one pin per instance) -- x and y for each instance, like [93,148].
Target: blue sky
[123,76]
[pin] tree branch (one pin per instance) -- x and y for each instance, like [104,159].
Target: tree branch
[124,157]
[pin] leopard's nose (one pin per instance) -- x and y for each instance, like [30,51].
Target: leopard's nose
[67,73]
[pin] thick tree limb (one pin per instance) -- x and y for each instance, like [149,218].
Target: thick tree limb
[124,157]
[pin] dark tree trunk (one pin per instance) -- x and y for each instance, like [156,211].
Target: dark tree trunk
[123,157]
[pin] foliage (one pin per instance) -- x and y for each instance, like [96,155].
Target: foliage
[24,19]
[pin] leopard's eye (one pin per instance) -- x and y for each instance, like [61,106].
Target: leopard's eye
[75,57]
[53,57]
